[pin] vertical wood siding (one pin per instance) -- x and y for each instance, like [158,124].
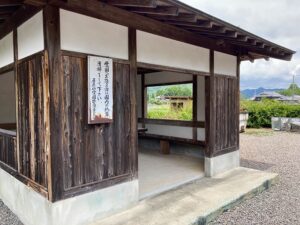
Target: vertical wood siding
[226,101]
[93,153]
[8,152]
[31,124]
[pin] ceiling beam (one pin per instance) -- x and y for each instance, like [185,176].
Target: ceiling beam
[133,3]
[37,3]
[10,2]
[21,15]
[160,10]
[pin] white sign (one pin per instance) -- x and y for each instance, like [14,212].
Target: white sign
[100,89]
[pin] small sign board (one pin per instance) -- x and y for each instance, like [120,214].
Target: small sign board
[100,90]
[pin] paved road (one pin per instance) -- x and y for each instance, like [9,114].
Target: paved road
[279,153]
[275,152]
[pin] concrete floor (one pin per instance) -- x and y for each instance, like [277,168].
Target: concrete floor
[159,173]
[198,202]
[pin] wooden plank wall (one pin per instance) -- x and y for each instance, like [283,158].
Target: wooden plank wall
[225,114]
[92,153]
[32,92]
[8,153]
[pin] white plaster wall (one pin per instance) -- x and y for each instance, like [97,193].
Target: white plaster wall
[225,64]
[6,50]
[173,131]
[85,34]
[220,164]
[166,77]
[139,95]
[163,51]
[34,209]
[31,36]
[7,98]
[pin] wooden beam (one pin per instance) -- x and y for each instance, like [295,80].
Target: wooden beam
[164,147]
[113,14]
[210,108]
[240,37]
[182,17]
[6,10]
[35,2]
[160,10]
[180,123]
[10,2]
[21,15]
[133,3]
[53,61]
[195,105]
[198,24]
[132,39]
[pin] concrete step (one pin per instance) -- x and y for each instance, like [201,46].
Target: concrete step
[198,202]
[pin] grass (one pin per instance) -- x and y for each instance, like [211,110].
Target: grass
[262,132]
[164,111]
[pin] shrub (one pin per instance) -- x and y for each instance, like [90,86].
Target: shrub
[260,113]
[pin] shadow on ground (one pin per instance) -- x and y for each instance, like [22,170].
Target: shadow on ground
[255,164]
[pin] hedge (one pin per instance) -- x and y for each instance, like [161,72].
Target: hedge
[261,112]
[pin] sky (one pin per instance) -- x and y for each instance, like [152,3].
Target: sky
[274,20]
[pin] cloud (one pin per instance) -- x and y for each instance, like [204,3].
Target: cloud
[274,20]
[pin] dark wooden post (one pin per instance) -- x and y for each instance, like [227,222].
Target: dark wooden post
[15,43]
[195,105]
[133,102]
[210,108]
[238,99]
[52,57]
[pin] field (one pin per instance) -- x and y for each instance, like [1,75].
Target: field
[164,111]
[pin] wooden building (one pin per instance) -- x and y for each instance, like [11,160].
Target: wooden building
[62,161]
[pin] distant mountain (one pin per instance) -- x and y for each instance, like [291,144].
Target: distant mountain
[250,93]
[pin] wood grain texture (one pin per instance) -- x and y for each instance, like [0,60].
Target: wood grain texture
[93,153]
[31,122]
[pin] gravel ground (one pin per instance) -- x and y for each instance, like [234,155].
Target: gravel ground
[7,217]
[275,152]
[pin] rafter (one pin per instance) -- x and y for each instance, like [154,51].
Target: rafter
[160,10]
[10,2]
[181,17]
[199,24]
[35,2]
[133,3]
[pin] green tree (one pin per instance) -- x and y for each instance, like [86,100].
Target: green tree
[292,90]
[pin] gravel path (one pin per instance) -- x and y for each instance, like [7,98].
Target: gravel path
[7,217]
[275,152]
[279,153]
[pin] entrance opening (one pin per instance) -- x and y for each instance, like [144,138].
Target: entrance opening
[171,136]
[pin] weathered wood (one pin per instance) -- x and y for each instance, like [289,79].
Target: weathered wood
[173,139]
[195,106]
[8,126]
[221,114]
[93,154]
[31,124]
[182,123]
[164,147]
[21,15]
[52,46]
[6,69]
[107,12]
[133,102]
[171,69]
[133,3]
